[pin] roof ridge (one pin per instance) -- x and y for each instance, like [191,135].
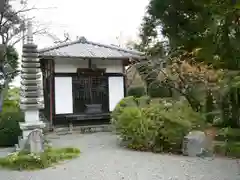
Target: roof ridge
[116,48]
[85,41]
[81,39]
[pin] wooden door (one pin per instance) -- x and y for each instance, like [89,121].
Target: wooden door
[89,90]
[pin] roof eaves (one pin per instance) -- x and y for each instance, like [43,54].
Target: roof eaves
[116,48]
[90,57]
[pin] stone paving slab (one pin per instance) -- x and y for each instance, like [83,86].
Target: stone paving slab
[103,159]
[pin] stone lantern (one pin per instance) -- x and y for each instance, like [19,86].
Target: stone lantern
[31,97]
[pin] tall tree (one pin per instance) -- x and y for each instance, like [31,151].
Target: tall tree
[13,17]
[211,25]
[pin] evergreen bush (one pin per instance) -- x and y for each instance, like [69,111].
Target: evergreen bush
[137,91]
[129,101]
[9,127]
[155,90]
[228,134]
[157,127]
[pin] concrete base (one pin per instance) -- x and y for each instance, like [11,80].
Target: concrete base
[28,127]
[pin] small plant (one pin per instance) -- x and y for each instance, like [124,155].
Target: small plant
[29,161]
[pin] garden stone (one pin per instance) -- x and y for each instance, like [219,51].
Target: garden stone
[36,141]
[195,144]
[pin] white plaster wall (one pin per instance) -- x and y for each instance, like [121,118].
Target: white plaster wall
[63,95]
[112,66]
[63,85]
[68,65]
[116,91]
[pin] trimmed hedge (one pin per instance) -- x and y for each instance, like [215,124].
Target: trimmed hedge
[156,90]
[9,128]
[137,91]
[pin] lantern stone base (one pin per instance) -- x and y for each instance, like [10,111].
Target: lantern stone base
[28,127]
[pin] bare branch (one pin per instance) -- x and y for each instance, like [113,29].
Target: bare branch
[41,31]
[12,22]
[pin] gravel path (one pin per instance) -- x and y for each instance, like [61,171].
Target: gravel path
[102,159]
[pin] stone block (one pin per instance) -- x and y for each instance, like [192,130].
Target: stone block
[36,141]
[196,143]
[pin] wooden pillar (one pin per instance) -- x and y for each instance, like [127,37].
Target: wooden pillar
[52,90]
[48,84]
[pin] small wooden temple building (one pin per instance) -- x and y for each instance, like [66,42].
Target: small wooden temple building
[83,81]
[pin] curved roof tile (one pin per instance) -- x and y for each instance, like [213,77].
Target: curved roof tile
[87,49]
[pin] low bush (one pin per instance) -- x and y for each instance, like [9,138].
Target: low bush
[137,91]
[229,134]
[143,101]
[29,161]
[172,122]
[134,128]
[9,127]
[129,101]
[230,149]
[157,127]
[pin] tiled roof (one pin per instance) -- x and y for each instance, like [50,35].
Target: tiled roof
[86,49]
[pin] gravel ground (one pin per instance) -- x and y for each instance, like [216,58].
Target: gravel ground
[102,159]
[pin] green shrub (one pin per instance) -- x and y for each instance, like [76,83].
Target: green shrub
[143,101]
[137,91]
[129,101]
[230,149]
[157,127]
[9,127]
[29,161]
[229,134]
[156,90]
[172,121]
[135,128]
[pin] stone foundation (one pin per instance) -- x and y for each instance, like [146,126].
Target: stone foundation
[28,127]
[83,129]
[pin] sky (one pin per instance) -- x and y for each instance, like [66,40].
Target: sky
[97,20]
[102,21]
